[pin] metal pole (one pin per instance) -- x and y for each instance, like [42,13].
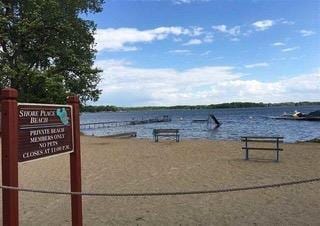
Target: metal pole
[247,150]
[9,124]
[277,149]
[75,164]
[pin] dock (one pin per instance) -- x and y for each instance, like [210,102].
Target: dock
[199,120]
[121,135]
[112,124]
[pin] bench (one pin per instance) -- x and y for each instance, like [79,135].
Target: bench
[259,139]
[166,133]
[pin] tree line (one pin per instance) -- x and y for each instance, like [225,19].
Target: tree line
[111,108]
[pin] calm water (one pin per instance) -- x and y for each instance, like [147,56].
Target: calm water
[235,123]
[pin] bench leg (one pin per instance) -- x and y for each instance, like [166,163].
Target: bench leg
[277,150]
[177,138]
[247,154]
[247,150]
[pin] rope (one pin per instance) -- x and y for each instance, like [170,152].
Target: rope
[161,193]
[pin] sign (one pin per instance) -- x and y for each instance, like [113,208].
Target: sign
[44,130]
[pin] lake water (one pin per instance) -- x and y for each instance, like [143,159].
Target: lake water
[236,122]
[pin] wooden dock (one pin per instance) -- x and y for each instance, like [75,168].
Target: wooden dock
[111,124]
[199,120]
[121,135]
[96,125]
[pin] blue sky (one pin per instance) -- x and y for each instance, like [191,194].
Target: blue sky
[175,52]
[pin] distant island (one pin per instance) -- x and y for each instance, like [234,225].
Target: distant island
[111,108]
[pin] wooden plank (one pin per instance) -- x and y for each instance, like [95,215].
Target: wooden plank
[261,137]
[9,156]
[200,120]
[271,149]
[261,141]
[158,131]
[129,134]
[166,135]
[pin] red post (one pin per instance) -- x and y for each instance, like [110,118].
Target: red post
[9,123]
[75,164]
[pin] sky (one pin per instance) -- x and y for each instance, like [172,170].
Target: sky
[194,52]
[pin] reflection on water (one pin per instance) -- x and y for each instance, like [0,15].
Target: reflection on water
[235,123]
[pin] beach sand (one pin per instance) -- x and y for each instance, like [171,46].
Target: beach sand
[140,165]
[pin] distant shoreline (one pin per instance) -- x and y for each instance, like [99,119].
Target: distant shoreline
[111,108]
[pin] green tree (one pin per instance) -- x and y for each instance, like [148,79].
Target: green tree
[47,49]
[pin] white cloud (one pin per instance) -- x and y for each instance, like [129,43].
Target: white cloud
[122,39]
[290,49]
[206,53]
[218,58]
[117,63]
[262,25]
[221,28]
[127,85]
[234,39]
[247,30]
[306,33]
[208,38]
[159,86]
[180,51]
[196,31]
[286,22]
[193,42]
[263,64]
[294,88]
[234,31]
[177,39]
[179,2]
[278,44]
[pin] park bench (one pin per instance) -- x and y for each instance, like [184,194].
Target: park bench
[166,133]
[258,139]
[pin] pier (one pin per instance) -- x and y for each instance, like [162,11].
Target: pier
[121,135]
[110,124]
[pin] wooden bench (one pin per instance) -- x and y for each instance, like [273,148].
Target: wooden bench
[166,133]
[258,139]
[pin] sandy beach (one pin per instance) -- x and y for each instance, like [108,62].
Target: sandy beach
[140,165]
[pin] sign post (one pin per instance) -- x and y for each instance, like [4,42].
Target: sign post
[9,123]
[75,164]
[35,131]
